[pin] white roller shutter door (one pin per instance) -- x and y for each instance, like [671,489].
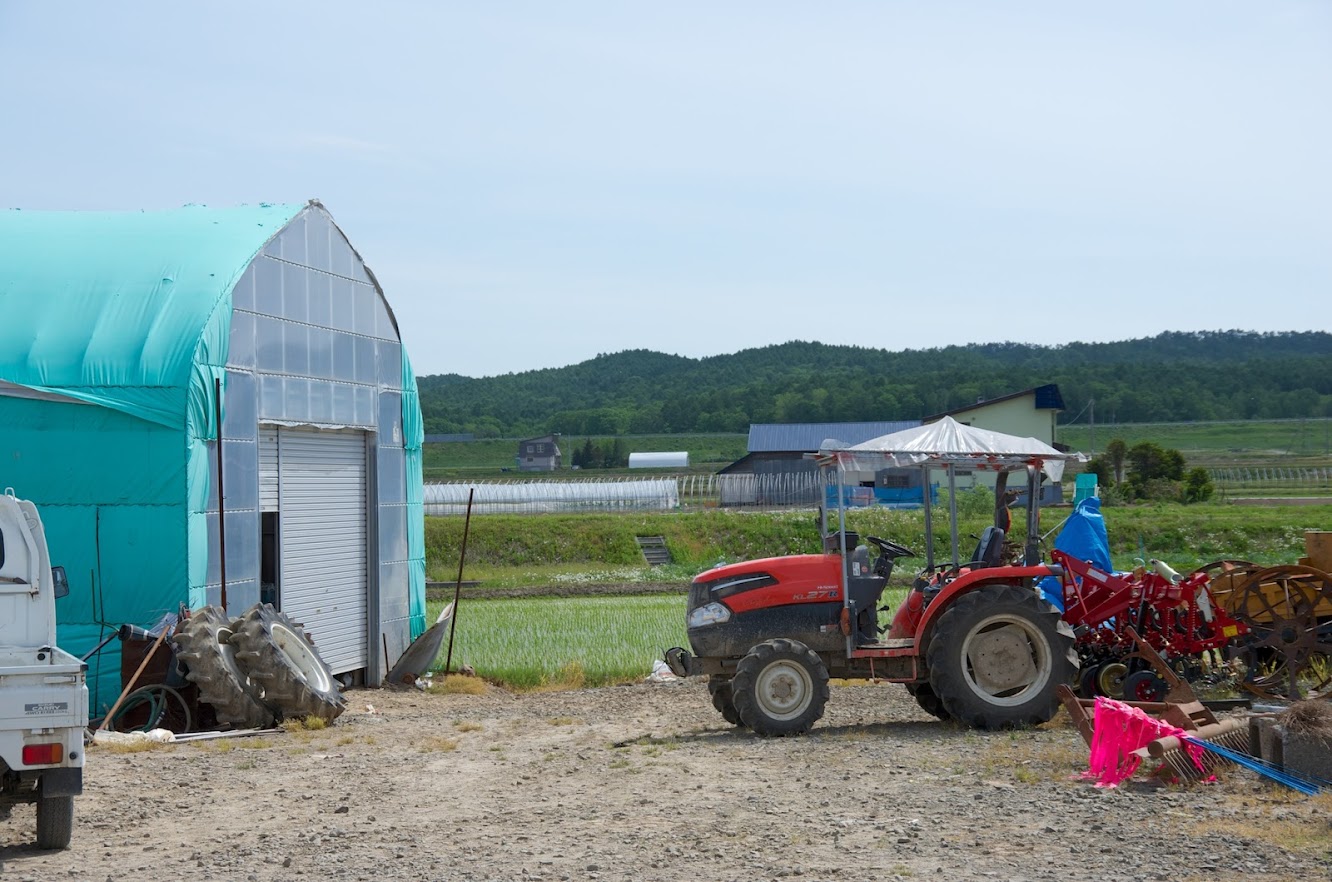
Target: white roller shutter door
[323,554]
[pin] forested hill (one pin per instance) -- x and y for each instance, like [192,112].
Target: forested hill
[1211,375]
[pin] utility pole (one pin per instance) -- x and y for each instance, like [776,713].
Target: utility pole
[1091,426]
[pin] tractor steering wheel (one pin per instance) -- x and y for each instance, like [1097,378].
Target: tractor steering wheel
[892,549]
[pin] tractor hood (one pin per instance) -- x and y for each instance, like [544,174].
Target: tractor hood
[948,442]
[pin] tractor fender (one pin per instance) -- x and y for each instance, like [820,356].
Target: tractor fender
[968,582]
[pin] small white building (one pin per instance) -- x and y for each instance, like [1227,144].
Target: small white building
[671,460]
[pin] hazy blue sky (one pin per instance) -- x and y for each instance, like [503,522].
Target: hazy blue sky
[537,183]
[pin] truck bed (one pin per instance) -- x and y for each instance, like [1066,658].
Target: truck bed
[41,688]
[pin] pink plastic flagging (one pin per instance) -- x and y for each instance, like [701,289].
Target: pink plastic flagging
[1118,729]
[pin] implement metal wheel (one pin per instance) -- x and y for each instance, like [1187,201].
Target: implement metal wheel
[1224,576]
[1287,653]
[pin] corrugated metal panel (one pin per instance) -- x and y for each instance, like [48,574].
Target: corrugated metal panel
[323,483]
[806,437]
[268,468]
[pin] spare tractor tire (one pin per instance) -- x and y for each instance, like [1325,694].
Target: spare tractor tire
[997,655]
[277,655]
[780,688]
[204,645]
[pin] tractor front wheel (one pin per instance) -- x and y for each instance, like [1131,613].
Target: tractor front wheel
[722,700]
[997,656]
[780,688]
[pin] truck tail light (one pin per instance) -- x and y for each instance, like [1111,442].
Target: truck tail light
[43,754]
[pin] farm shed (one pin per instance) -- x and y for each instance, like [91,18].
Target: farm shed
[120,329]
[777,469]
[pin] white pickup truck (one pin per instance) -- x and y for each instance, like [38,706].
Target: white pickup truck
[43,689]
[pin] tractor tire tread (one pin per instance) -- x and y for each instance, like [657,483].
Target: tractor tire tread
[947,675]
[222,684]
[289,691]
[747,672]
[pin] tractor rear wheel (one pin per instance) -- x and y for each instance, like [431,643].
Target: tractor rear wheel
[720,690]
[928,701]
[780,688]
[997,655]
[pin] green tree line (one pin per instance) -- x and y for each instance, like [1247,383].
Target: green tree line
[1174,376]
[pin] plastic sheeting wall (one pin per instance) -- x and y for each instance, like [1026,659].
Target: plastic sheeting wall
[128,313]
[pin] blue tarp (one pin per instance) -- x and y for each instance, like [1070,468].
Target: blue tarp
[1083,536]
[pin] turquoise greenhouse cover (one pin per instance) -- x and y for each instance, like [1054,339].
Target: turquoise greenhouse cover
[129,311]
[124,309]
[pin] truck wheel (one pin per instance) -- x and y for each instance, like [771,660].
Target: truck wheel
[275,652]
[55,821]
[928,701]
[722,699]
[204,644]
[997,656]
[780,688]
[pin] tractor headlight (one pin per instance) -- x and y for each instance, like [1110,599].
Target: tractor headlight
[711,614]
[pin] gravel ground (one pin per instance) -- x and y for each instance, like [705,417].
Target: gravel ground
[646,782]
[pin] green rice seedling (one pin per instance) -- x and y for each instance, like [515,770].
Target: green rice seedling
[528,643]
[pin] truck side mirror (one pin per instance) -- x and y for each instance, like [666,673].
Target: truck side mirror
[59,582]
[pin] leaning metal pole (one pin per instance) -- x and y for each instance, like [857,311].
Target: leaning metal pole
[457,589]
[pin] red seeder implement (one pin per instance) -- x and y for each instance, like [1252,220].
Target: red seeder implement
[1176,616]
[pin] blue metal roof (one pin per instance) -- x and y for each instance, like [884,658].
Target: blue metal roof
[808,437]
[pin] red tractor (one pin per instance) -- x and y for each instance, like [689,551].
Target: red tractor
[975,640]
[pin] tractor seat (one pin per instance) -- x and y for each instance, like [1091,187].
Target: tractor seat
[990,549]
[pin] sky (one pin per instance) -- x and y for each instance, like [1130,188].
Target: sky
[537,183]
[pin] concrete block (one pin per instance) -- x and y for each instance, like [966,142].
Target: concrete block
[1307,753]
[1265,736]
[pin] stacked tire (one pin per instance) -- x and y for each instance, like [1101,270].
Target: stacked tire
[258,669]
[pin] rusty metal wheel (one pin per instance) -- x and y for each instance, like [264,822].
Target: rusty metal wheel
[1224,576]
[1288,651]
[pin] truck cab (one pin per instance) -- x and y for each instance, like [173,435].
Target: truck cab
[43,689]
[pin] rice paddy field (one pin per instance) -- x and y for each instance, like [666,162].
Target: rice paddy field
[531,642]
[567,642]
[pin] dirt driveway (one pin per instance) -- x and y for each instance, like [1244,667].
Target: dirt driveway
[646,782]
